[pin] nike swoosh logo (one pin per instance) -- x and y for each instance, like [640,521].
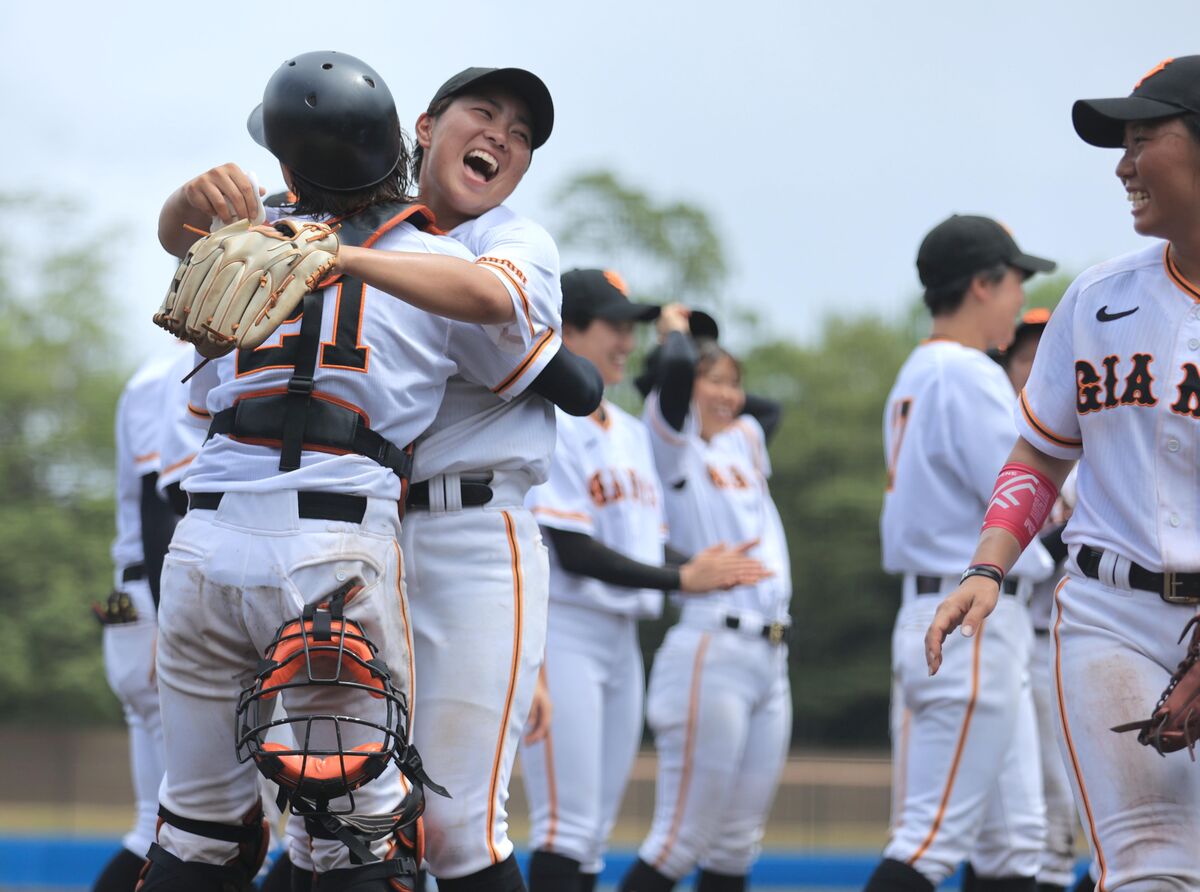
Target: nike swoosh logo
[1102,314]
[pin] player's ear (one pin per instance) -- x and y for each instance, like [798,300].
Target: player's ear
[424,130]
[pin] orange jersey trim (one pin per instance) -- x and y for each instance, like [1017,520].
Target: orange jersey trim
[1062,713]
[689,748]
[198,412]
[518,609]
[412,668]
[958,750]
[1047,433]
[529,359]
[1192,291]
[499,266]
[565,515]
[177,465]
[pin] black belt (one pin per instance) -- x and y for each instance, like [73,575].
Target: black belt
[474,494]
[932,585]
[311,505]
[1174,588]
[132,572]
[776,633]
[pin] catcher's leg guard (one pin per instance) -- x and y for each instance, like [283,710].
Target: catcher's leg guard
[166,873]
[720,882]
[1084,884]
[121,873]
[302,880]
[896,876]
[587,882]
[644,878]
[279,877]
[551,872]
[502,877]
[395,875]
[1050,887]
[1006,884]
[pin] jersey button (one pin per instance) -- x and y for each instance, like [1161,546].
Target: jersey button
[1174,520]
[1194,344]
[1172,445]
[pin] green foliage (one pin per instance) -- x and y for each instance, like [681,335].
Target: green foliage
[667,252]
[58,385]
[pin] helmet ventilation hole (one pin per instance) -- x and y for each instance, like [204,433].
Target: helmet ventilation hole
[311,100]
[370,82]
[327,65]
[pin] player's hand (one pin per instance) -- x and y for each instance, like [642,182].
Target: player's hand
[720,567]
[967,606]
[674,317]
[225,192]
[537,726]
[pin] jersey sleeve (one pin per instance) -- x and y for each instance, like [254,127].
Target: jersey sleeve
[563,502]
[1046,413]
[669,445]
[755,439]
[525,259]
[507,375]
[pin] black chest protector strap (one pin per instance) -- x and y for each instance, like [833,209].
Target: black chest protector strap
[300,417]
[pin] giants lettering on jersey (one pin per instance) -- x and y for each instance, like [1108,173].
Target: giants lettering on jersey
[728,477]
[610,485]
[1112,389]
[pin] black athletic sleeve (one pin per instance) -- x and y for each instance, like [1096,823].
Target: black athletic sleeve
[570,382]
[1053,540]
[674,558]
[767,413]
[676,375]
[580,553]
[158,525]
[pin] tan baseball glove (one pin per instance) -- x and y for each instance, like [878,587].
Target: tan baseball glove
[238,284]
[1175,722]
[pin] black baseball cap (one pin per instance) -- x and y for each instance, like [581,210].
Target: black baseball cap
[525,84]
[601,294]
[965,245]
[1170,88]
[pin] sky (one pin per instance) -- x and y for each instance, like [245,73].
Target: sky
[823,139]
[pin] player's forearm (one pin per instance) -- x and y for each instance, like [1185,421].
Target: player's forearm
[176,214]
[584,556]
[997,545]
[444,286]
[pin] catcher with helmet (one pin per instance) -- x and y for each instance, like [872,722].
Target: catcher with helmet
[289,547]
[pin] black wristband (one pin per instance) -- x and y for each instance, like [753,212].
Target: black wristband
[989,570]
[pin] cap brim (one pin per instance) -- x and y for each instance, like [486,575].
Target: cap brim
[529,87]
[702,325]
[630,312]
[1101,122]
[254,124]
[1029,264]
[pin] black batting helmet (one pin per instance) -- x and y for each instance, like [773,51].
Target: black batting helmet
[331,119]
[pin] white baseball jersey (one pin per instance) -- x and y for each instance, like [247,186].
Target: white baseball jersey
[716,492]
[379,356]
[139,413]
[489,394]
[183,427]
[1116,383]
[947,431]
[603,484]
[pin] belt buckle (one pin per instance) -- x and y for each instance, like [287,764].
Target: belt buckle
[776,632]
[1170,590]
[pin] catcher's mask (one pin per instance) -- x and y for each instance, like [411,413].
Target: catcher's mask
[325,659]
[330,118]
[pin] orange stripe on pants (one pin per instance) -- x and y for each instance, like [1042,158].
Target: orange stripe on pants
[958,751]
[689,747]
[518,596]
[1062,712]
